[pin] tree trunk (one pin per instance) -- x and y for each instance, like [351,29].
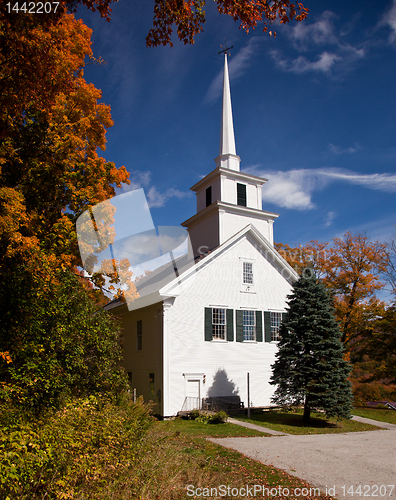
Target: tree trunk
[307,412]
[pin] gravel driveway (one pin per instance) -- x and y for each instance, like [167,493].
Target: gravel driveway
[337,461]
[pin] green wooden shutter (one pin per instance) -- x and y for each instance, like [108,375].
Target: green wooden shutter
[208,324]
[259,326]
[239,326]
[230,325]
[267,326]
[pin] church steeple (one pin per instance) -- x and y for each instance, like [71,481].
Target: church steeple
[227,155]
[227,199]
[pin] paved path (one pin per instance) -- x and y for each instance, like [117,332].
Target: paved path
[338,461]
[256,427]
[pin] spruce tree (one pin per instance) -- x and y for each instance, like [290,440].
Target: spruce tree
[309,368]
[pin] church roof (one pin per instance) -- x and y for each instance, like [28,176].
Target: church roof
[165,282]
[242,176]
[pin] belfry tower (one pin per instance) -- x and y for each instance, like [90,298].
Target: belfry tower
[227,200]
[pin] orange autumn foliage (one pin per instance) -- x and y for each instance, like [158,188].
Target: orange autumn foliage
[50,131]
[350,267]
[189,16]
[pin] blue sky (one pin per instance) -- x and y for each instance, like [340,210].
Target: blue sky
[314,113]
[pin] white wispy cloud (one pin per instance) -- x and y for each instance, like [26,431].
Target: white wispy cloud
[155,198]
[236,67]
[382,182]
[306,36]
[338,150]
[389,19]
[294,188]
[329,219]
[323,63]
[335,56]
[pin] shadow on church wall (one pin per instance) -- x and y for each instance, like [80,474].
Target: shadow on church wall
[223,390]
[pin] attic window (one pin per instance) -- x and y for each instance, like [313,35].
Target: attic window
[248,273]
[241,195]
[208,196]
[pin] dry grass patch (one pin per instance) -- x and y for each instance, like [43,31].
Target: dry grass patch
[174,459]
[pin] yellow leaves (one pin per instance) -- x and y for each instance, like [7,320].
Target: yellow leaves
[6,357]
[113,272]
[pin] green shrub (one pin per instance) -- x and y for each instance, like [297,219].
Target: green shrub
[61,345]
[61,454]
[203,417]
[194,414]
[209,418]
[219,418]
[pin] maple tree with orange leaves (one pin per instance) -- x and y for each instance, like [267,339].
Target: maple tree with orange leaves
[188,17]
[351,269]
[51,124]
[48,150]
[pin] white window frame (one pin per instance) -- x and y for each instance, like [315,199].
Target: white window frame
[250,327]
[276,321]
[219,324]
[247,275]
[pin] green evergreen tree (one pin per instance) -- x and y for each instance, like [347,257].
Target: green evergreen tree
[309,368]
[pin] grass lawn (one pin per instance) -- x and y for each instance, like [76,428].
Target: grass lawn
[380,415]
[175,457]
[292,423]
[199,429]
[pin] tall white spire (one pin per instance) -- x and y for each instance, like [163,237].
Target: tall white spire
[227,155]
[227,139]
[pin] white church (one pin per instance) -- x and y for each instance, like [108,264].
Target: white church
[192,338]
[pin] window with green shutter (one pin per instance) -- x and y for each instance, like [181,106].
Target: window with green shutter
[219,324]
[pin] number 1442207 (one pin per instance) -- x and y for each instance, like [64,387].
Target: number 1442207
[32,7]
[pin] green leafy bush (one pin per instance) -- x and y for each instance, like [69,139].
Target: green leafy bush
[61,454]
[61,346]
[219,418]
[194,414]
[209,418]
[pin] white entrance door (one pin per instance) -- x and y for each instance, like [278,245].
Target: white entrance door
[193,393]
[193,388]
